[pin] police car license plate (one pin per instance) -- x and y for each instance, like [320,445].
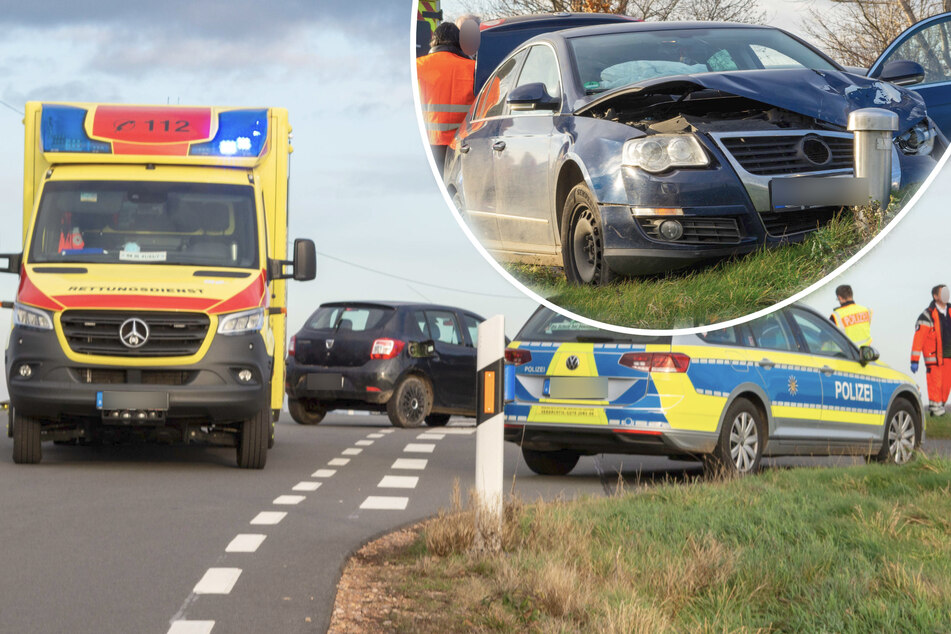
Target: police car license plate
[594,387]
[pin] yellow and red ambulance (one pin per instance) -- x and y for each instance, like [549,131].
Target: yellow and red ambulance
[152,302]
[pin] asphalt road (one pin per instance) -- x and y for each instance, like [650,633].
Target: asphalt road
[178,540]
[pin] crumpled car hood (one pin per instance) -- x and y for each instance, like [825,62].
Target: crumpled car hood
[827,95]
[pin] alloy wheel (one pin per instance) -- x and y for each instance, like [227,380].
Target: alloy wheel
[901,437]
[744,442]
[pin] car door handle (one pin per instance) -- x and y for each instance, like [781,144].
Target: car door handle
[498,146]
[827,370]
[464,148]
[766,363]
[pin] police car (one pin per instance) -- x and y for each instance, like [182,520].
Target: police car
[789,383]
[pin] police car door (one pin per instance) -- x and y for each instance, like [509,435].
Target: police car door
[852,411]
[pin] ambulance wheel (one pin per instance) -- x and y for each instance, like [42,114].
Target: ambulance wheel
[902,434]
[582,239]
[411,402]
[27,447]
[437,420]
[252,440]
[553,463]
[10,422]
[304,415]
[275,416]
[742,436]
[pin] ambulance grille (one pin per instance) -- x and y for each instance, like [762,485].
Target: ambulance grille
[793,154]
[170,334]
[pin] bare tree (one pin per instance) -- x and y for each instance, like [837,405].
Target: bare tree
[747,11]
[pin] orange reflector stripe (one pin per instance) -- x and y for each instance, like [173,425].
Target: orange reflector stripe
[488,392]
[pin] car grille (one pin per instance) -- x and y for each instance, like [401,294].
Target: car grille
[790,154]
[786,223]
[696,230]
[170,334]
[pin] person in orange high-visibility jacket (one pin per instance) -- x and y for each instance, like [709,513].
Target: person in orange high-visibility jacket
[933,342]
[853,319]
[446,77]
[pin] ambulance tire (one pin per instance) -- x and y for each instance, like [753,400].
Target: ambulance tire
[902,434]
[275,416]
[10,422]
[582,239]
[27,444]
[253,440]
[304,415]
[437,420]
[551,463]
[411,402]
[739,450]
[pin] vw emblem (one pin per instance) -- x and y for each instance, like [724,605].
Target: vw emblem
[133,333]
[572,363]
[329,343]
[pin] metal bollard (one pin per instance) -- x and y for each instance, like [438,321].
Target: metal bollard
[872,128]
[490,434]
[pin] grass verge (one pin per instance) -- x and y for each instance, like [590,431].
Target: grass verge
[854,549]
[728,289]
[939,427]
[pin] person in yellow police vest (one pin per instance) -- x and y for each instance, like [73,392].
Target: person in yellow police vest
[854,319]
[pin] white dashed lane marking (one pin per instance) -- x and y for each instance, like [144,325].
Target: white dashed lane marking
[268,518]
[430,436]
[387,431]
[289,499]
[385,503]
[415,447]
[323,473]
[338,462]
[351,452]
[363,443]
[246,543]
[409,463]
[306,486]
[217,581]
[191,627]
[398,482]
[462,431]
[375,435]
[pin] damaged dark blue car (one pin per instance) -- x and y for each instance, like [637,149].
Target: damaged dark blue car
[638,148]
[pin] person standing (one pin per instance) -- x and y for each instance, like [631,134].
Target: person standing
[446,78]
[933,341]
[854,319]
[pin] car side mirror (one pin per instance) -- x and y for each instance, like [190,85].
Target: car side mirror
[532,96]
[422,349]
[304,263]
[868,354]
[902,72]
[13,261]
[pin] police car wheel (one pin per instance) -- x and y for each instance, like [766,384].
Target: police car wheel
[437,420]
[553,463]
[304,415]
[740,448]
[902,434]
[411,402]
[582,239]
[27,443]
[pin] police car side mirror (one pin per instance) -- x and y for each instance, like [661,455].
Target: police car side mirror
[868,354]
[13,261]
[533,96]
[422,349]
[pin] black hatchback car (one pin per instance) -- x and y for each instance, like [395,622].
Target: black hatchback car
[417,362]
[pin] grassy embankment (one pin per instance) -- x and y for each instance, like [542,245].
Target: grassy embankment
[725,290]
[855,549]
[939,427]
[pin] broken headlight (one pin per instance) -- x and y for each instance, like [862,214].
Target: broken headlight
[659,152]
[919,140]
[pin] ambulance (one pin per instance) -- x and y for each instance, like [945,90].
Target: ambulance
[789,383]
[151,303]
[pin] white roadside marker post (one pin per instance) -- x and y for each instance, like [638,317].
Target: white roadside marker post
[490,427]
[872,129]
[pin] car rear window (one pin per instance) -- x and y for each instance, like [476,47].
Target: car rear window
[355,318]
[547,325]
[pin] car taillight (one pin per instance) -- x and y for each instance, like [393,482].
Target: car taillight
[515,356]
[290,348]
[655,361]
[386,348]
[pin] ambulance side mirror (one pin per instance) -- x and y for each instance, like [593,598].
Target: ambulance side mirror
[305,260]
[10,262]
[868,354]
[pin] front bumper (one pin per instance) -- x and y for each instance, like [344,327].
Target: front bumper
[59,389]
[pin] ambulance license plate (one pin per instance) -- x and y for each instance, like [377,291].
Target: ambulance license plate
[157,401]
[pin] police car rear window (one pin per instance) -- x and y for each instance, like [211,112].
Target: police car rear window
[546,325]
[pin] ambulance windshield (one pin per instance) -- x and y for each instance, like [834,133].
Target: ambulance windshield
[133,222]
[547,325]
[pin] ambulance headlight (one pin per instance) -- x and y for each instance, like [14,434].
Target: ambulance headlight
[28,317]
[242,323]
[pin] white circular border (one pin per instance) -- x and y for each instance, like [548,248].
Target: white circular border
[605,326]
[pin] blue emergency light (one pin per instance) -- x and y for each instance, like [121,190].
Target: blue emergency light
[241,133]
[61,130]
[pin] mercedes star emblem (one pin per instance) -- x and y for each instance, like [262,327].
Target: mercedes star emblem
[572,363]
[133,333]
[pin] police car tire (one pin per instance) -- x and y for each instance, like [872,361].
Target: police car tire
[253,440]
[411,402]
[721,461]
[581,206]
[900,407]
[27,444]
[552,463]
[304,415]
[437,420]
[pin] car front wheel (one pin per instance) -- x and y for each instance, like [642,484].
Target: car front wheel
[902,434]
[582,239]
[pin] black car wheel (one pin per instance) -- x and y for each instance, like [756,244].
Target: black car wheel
[305,414]
[27,445]
[554,463]
[582,239]
[437,420]
[411,402]
[253,440]
[742,439]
